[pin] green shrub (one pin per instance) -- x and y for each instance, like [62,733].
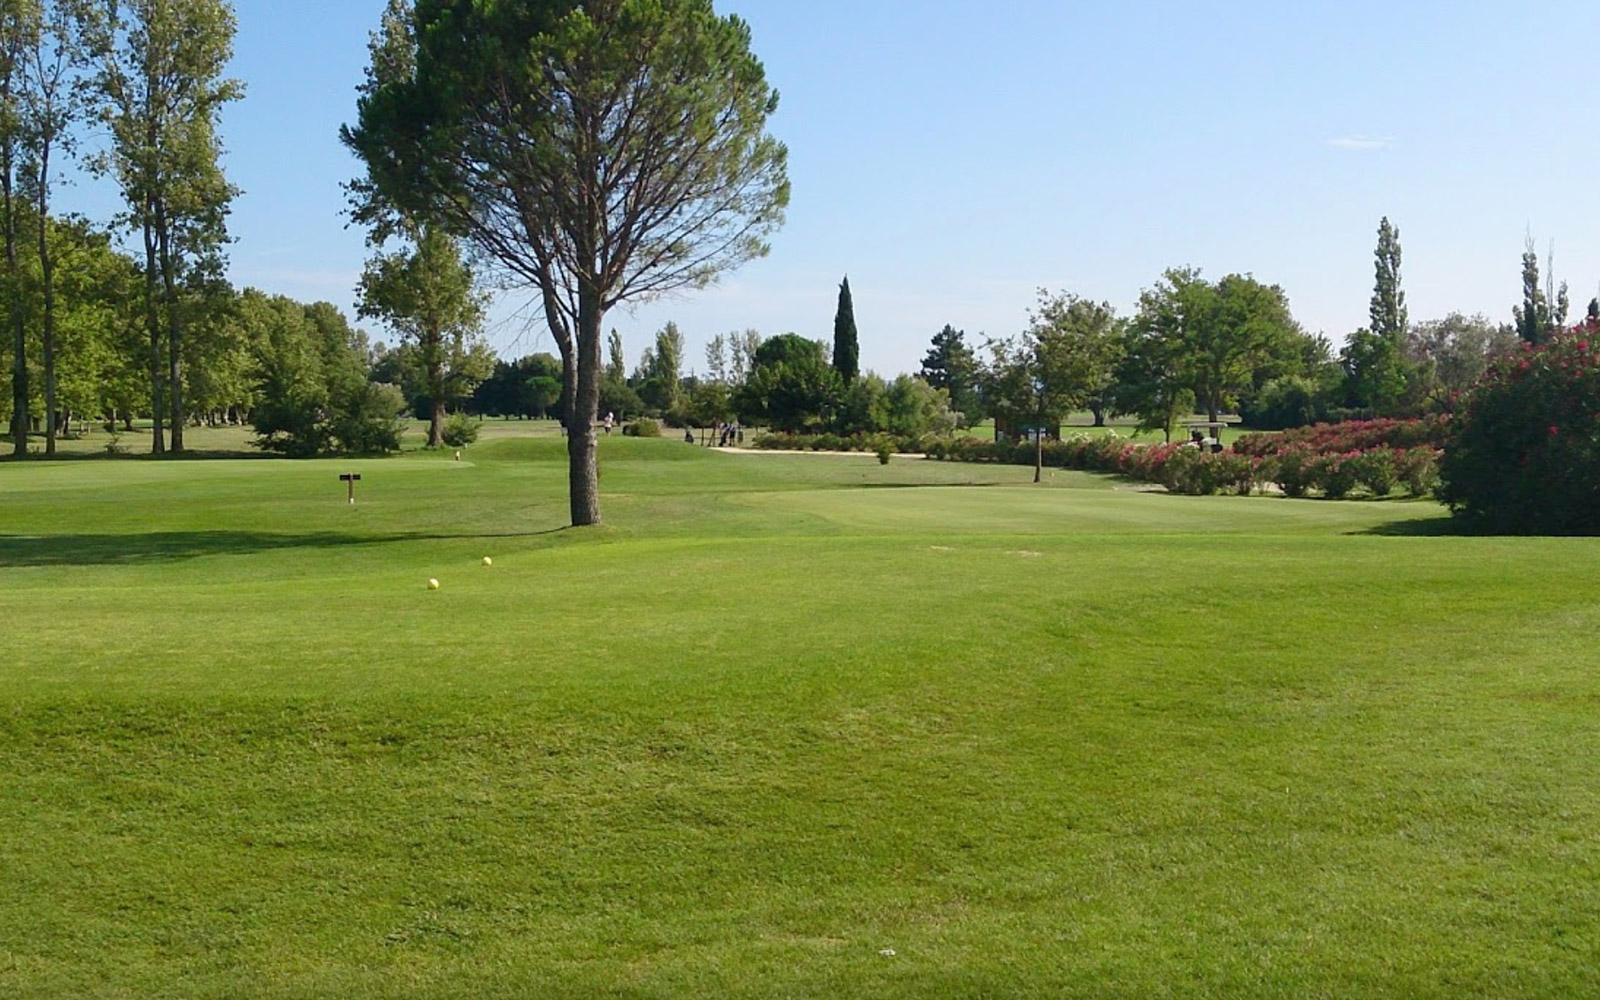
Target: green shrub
[883,446]
[644,427]
[366,420]
[459,430]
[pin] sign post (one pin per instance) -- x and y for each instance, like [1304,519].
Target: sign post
[351,478]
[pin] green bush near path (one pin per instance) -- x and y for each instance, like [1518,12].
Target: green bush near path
[778,717]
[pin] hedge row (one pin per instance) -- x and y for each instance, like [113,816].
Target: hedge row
[1350,436]
[1297,471]
[903,445]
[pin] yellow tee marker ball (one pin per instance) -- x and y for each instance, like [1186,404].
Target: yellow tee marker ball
[487,561]
[433,584]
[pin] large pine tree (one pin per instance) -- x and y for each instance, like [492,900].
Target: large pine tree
[951,365]
[846,350]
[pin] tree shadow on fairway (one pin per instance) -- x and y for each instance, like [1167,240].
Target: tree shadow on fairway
[173,546]
[913,486]
[1422,527]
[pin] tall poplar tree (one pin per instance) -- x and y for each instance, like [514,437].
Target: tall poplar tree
[52,103]
[19,25]
[846,349]
[162,90]
[616,359]
[1388,299]
[1533,316]
[1536,320]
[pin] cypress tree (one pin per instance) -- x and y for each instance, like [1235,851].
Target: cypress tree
[846,350]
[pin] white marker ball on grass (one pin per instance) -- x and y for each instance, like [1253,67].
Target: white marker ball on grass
[433,584]
[487,561]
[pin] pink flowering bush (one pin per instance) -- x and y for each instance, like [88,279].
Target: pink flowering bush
[1337,474]
[1524,456]
[1349,436]
[1376,470]
[1297,470]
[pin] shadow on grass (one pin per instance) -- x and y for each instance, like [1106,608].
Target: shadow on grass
[192,455]
[1425,527]
[912,486]
[173,546]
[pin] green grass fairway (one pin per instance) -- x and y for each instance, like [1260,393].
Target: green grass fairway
[783,727]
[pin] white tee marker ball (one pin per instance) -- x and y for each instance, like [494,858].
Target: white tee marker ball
[433,584]
[487,561]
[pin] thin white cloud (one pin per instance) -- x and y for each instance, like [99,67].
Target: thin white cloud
[1361,143]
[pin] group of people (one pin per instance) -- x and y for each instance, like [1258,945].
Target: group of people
[726,434]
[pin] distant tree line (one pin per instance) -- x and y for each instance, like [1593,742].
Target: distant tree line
[1233,346]
[786,383]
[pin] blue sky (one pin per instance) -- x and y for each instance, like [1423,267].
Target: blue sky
[951,157]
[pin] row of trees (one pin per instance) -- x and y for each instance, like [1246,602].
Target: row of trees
[94,332]
[787,383]
[1229,345]
[148,74]
[1232,345]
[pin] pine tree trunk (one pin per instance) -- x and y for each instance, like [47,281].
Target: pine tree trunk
[433,350]
[47,273]
[169,282]
[1038,455]
[582,471]
[19,334]
[152,319]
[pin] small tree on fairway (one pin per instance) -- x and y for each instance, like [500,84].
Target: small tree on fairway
[1039,378]
[1151,383]
[1093,334]
[846,349]
[599,152]
[426,294]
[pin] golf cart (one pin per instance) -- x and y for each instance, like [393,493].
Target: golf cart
[1206,434]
